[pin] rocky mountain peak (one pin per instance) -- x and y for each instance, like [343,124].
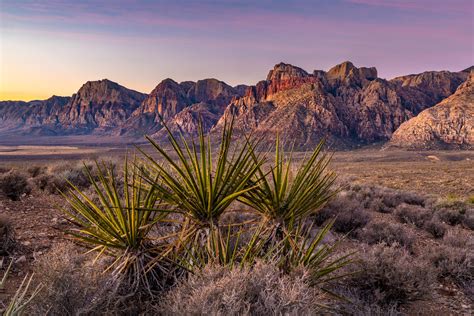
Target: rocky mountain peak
[347,70]
[106,91]
[284,71]
[468,69]
[211,89]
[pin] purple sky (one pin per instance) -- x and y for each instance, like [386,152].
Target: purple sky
[54,46]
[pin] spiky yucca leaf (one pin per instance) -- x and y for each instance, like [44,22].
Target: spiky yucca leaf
[196,183]
[22,297]
[286,199]
[118,222]
[223,246]
[300,248]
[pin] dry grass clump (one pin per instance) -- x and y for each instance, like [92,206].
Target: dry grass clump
[390,275]
[14,184]
[69,284]
[260,290]
[385,232]
[7,236]
[413,214]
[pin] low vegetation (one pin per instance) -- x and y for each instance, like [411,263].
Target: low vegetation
[14,185]
[183,229]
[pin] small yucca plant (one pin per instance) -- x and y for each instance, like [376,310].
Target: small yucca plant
[285,199]
[118,221]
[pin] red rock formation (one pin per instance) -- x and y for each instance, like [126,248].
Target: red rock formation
[449,124]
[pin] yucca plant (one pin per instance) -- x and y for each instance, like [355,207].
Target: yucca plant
[198,185]
[117,222]
[300,247]
[284,199]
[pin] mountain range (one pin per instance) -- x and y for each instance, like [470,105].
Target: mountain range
[350,106]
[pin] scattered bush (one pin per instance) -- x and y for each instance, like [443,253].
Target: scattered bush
[356,305]
[455,257]
[7,237]
[458,238]
[413,214]
[378,205]
[435,228]
[46,182]
[261,290]
[383,232]
[455,263]
[35,171]
[56,180]
[4,169]
[451,216]
[69,284]
[468,220]
[389,275]
[348,214]
[14,185]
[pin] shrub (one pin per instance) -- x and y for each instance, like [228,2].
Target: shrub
[458,238]
[455,263]
[378,205]
[35,171]
[435,228]
[355,304]
[383,200]
[69,285]
[451,216]
[7,236]
[384,232]
[468,220]
[4,169]
[347,213]
[389,275]
[14,185]
[261,290]
[412,214]
[46,182]
[455,257]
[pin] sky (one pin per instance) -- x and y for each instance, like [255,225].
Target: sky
[52,47]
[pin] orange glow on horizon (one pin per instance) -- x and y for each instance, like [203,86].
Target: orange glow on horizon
[22,96]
